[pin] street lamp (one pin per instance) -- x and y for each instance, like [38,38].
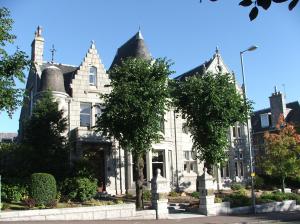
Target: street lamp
[252,48]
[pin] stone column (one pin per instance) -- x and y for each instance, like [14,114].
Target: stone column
[160,188]
[207,197]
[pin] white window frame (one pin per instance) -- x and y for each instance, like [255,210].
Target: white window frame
[189,161]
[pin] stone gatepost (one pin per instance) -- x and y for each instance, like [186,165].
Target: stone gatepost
[160,189]
[207,196]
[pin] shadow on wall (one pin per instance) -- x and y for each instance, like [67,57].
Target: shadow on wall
[96,157]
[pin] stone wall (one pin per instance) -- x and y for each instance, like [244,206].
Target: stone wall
[122,211]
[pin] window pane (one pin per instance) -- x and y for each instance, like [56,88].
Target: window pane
[92,76]
[241,168]
[193,166]
[234,132]
[187,155]
[85,114]
[239,132]
[158,156]
[85,108]
[185,166]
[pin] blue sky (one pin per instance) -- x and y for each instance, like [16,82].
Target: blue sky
[185,31]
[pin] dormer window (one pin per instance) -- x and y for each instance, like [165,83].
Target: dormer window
[265,120]
[93,76]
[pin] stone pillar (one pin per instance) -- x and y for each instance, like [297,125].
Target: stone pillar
[160,188]
[207,197]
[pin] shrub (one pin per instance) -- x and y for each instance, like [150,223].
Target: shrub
[79,188]
[146,195]
[173,194]
[13,193]
[218,200]
[4,206]
[43,188]
[236,186]
[258,182]
[29,202]
[195,194]
[238,199]
[279,196]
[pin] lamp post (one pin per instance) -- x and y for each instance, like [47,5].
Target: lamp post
[252,48]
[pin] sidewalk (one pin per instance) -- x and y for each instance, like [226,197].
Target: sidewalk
[186,218]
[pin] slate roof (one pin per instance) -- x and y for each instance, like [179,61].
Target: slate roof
[135,47]
[68,73]
[293,117]
[197,70]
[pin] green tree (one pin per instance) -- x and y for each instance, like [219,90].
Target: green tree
[44,139]
[211,104]
[11,66]
[134,108]
[263,4]
[282,152]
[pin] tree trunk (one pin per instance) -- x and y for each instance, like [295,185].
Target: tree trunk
[283,184]
[139,179]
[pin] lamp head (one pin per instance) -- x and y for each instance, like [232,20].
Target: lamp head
[252,48]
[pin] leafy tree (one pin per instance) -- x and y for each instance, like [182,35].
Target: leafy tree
[44,138]
[134,108]
[11,66]
[211,104]
[282,152]
[264,4]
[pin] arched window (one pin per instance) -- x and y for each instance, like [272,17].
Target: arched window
[93,76]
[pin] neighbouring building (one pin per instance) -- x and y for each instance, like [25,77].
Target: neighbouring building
[8,137]
[77,87]
[266,119]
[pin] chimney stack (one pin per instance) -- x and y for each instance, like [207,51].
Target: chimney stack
[277,105]
[37,47]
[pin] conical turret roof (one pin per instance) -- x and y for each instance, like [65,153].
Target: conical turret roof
[135,47]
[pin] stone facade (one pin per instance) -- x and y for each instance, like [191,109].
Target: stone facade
[173,155]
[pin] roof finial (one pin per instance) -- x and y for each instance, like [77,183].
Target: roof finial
[139,35]
[38,32]
[53,50]
[217,49]
[275,88]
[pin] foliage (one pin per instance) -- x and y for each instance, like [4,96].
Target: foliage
[146,195]
[280,196]
[195,194]
[174,194]
[218,200]
[134,109]
[211,104]
[79,188]
[258,182]
[83,168]
[238,199]
[13,193]
[43,188]
[11,66]
[236,186]
[281,158]
[264,4]
[44,138]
